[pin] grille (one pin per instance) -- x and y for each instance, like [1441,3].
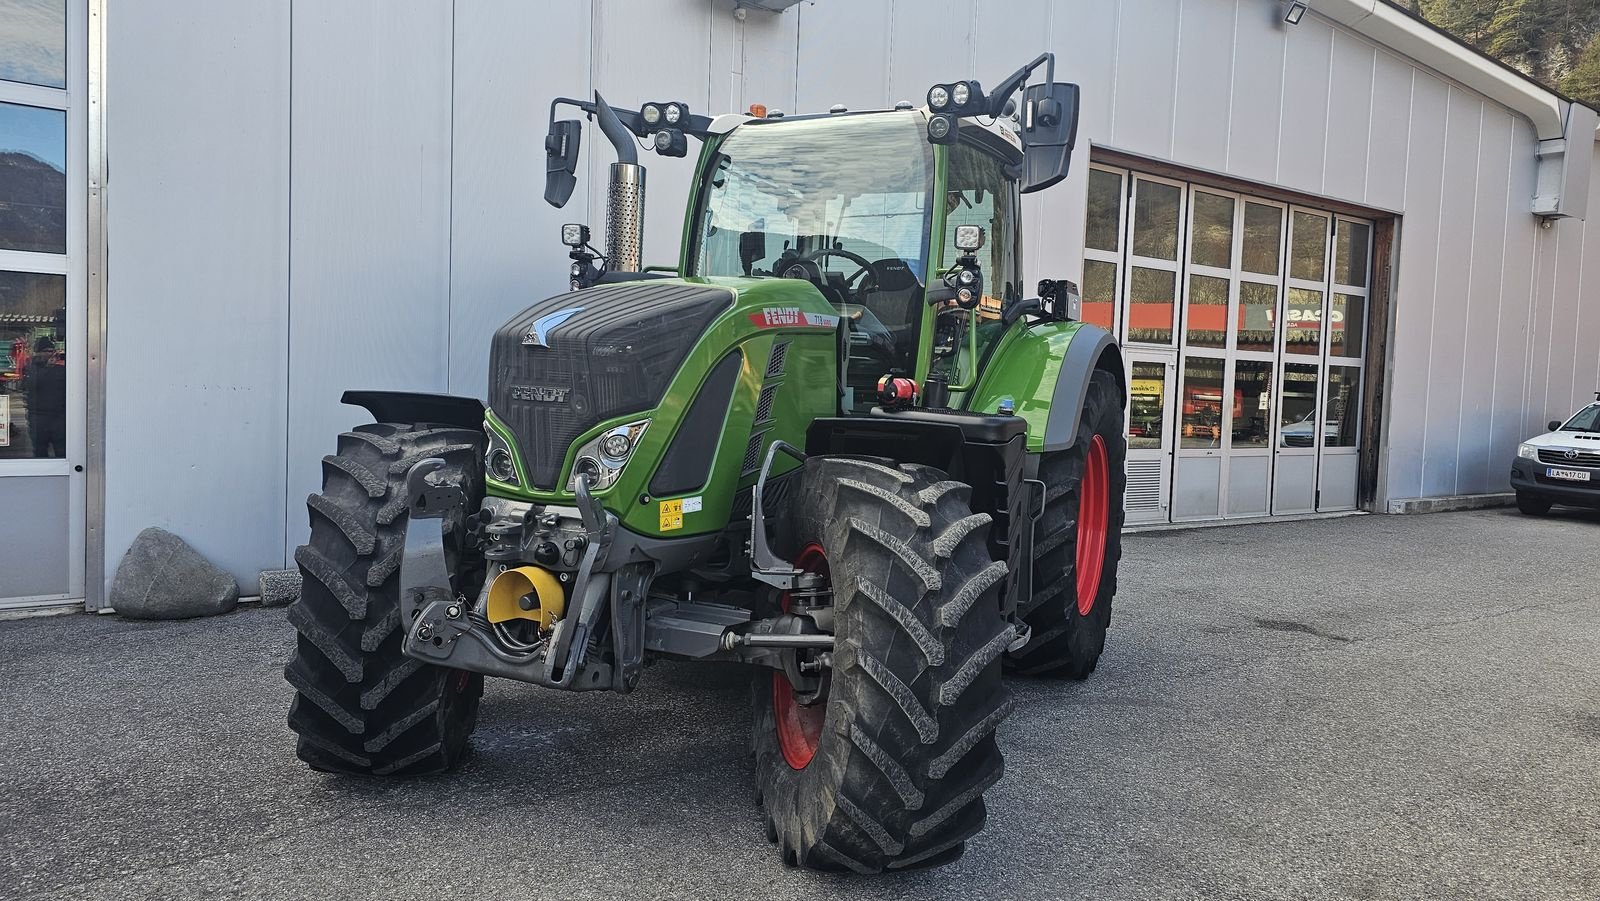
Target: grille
[1560,458]
[1144,485]
[613,356]
[752,453]
[780,353]
[764,403]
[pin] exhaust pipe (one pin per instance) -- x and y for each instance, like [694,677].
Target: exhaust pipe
[624,194]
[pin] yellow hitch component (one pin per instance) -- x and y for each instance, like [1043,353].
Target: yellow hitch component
[547,603]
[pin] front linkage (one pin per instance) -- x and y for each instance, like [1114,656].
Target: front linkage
[607,571]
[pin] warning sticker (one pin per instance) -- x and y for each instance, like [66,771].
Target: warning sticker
[671,515]
[691,504]
[5,420]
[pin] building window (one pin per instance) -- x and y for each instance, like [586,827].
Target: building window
[33,42]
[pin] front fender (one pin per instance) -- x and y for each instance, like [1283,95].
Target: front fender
[1044,367]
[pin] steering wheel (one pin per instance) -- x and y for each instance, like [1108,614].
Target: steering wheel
[806,266]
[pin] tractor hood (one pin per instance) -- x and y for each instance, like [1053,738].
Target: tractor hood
[568,363]
[701,374]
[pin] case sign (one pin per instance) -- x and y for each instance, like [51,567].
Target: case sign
[5,420]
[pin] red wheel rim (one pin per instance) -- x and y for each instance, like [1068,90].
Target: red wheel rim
[799,726]
[1094,516]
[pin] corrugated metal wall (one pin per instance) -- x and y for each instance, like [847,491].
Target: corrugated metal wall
[343,195]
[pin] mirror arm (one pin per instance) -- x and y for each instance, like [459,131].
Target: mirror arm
[1015,81]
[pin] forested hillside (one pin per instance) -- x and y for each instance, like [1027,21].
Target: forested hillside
[1555,41]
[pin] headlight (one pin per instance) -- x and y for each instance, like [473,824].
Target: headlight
[1527,452]
[601,460]
[673,113]
[498,462]
[938,97]
[961,94]
[651,114]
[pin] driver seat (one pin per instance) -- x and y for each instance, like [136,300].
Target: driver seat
[897,301]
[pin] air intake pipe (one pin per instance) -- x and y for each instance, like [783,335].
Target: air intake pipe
[624,194]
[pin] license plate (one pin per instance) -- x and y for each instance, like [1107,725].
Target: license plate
[1571,475]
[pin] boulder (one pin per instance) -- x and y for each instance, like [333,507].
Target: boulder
[162,577]
[279,587]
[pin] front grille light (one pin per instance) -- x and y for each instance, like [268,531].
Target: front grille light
[600,460]
[498,461]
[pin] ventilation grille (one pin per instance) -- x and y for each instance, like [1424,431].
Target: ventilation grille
[780,353]
[1579,458]
[764,404]
[1144,485]
[752,453]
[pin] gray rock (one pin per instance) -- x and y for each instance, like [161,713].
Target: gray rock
[162,577]
[279,587]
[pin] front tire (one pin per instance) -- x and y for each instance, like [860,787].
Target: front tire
[1078,542]
[1532,504]
[360,705]
[891,773]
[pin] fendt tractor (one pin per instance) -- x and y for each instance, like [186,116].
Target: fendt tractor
[837,442]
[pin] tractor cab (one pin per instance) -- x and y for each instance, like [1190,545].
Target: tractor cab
[867,210]
[905,220]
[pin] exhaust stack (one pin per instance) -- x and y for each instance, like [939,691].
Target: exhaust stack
[624,195]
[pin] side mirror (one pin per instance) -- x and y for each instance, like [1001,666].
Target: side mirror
[1049,119]
[561,161]
[1554,425]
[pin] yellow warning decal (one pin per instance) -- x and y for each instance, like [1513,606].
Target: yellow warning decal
[671,515]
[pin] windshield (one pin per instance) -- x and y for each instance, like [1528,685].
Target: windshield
[855,183]
[1587,420]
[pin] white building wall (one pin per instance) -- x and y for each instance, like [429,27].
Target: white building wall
[371,225]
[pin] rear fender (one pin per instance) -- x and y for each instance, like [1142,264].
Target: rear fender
[1044,368]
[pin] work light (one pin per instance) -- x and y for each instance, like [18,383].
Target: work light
[969,237]
[671,142]
[942,129]
[672,113]
[651,114]
[938,97]
[575,234]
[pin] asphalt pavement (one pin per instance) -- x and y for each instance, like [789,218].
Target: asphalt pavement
[1373,707]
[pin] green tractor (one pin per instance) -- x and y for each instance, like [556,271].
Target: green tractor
[837,443]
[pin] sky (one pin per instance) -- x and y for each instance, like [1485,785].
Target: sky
[41,132]
[33,42]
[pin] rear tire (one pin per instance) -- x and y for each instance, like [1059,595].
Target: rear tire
[1070,609]
[1532,504]
[896,766]
[360,705]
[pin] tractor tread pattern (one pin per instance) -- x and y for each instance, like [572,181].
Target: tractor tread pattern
[361,705]
[917,691]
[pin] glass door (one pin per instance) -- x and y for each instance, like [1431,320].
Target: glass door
[42,316]
[1299,431]
[1149,429]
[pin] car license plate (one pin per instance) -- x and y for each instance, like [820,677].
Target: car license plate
[1571,475]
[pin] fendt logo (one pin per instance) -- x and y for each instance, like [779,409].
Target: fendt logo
[540,331]
[543,394]
[779,317]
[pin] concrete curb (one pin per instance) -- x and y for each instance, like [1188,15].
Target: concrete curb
[1452,503]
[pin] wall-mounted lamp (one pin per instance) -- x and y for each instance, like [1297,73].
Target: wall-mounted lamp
[1296,11]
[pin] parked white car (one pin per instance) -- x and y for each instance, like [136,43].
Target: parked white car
[1562,466]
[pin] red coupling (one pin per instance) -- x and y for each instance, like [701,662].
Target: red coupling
[896,391]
